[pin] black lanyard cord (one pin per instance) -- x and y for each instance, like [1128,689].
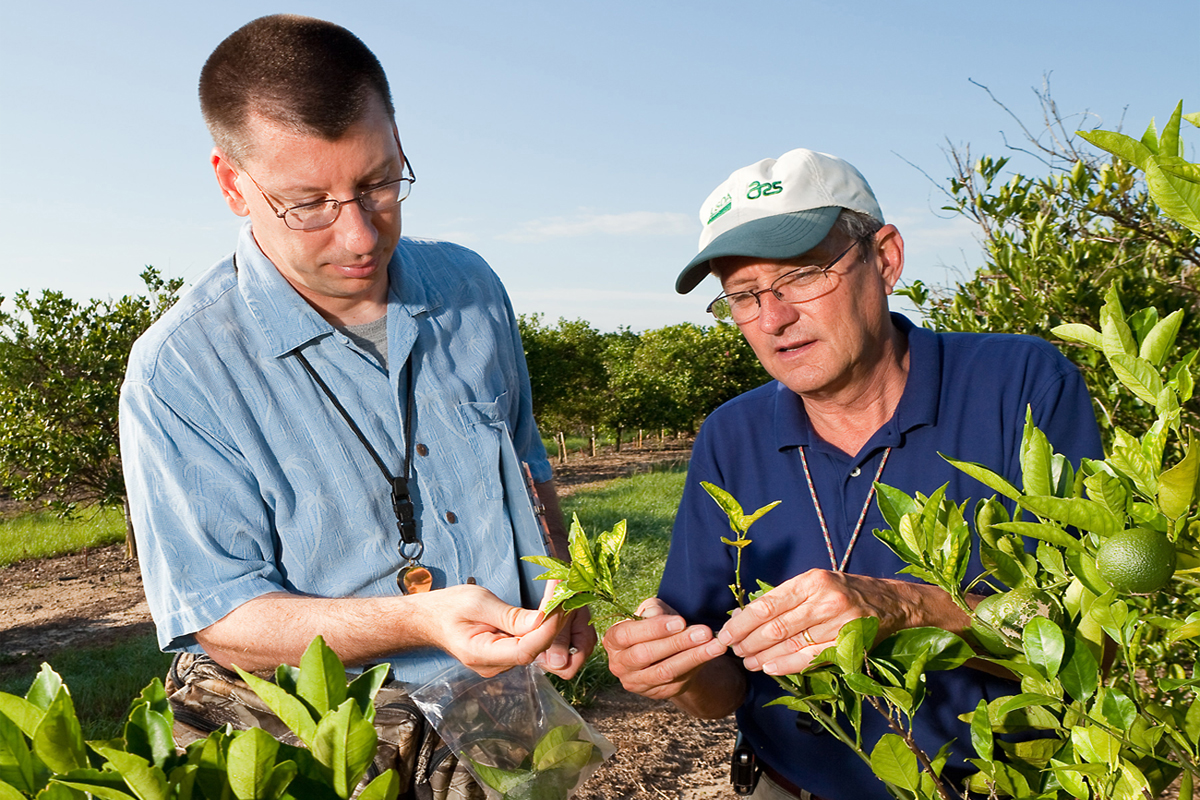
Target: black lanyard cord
[401,499]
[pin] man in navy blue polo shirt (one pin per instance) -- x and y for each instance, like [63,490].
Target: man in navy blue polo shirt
[806,265]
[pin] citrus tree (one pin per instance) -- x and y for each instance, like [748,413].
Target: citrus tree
[1058,232]
[61,367]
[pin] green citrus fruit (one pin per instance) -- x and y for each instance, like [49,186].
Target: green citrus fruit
[1005,615]
[1137,561]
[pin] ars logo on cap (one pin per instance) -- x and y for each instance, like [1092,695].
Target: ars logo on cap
[719,208]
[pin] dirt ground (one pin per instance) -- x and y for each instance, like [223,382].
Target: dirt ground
[95,598]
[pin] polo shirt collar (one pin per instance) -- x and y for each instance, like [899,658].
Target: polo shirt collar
[918,404]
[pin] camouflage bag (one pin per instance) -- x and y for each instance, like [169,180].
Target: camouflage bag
[205,697]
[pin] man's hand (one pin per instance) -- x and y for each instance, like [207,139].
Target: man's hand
[781,632]
[659,655]
[485,633]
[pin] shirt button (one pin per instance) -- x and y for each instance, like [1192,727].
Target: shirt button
[422,450]
[854,473]
[451,517]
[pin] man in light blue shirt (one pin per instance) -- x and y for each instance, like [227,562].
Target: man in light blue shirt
[333,419]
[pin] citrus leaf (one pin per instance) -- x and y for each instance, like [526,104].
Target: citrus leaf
[1078,332]
[893,762]
[731,507]
[385,787]
[291,710]
[58,740]
[982,738]
[894,504]
[251,760]
[1075,512]
[556,570]
[1043,531]
[1138,376]
[752,518]
[1045,646]
[1161,338]
[1119,145]
[1177,485]
[985,476]
[1036,459]
[322,681]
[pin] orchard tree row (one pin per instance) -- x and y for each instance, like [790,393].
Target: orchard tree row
[664,379]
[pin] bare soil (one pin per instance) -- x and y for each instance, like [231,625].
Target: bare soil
[95,598]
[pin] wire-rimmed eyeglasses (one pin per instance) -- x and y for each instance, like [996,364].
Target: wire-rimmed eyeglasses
[796,286]
[322,214]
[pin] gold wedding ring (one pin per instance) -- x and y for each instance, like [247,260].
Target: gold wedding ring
[806,636]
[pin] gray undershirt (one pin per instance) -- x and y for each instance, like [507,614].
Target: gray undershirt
[371,338]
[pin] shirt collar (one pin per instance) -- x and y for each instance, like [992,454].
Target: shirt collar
[918,404]
[287,320]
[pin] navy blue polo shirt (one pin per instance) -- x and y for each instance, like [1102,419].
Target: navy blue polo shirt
[965,396]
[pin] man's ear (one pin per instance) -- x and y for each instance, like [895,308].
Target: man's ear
[227,175]
[889,252]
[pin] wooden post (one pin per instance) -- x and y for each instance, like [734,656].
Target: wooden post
[561,440]
[593,441]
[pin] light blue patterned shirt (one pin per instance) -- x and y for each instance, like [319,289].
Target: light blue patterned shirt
[244,480]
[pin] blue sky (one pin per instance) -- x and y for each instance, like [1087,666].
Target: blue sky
[569,143]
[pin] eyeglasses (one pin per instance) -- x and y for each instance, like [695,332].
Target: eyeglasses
[796,286]
[322,214]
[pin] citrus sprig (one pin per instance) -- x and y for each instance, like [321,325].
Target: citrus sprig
[739,523]
[589,576]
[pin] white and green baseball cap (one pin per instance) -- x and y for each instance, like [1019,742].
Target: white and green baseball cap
[778,208]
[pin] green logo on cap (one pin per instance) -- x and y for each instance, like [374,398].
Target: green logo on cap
[758,190]
[722,205]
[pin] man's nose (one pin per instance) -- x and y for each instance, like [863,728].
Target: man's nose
[356,227]
[774,315]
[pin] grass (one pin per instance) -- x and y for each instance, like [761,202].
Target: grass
[42,533]
[647,503]
[104,680]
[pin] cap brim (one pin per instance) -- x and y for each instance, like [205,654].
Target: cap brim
[780,236]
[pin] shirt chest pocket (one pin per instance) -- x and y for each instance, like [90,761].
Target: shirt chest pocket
[486,426]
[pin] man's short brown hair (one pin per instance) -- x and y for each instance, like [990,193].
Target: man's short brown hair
[306,74]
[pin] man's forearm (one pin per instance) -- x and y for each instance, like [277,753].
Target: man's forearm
[276,629]
[468,622]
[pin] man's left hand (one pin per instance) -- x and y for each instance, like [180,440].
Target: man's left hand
[782,632]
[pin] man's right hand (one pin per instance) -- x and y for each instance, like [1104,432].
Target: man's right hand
[482,631]
[659,655]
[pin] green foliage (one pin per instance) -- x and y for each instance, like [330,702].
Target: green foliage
[1053,246]
[547,772]
[591,574]
[43,752]
[61,367]
[566,371]
[102,680]
[668,378]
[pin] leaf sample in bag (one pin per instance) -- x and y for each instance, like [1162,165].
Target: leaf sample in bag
[550,772]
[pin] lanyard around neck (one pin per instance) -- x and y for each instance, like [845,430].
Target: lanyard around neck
[812,491]
[401,498]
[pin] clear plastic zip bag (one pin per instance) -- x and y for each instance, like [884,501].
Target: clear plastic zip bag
[514,732]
